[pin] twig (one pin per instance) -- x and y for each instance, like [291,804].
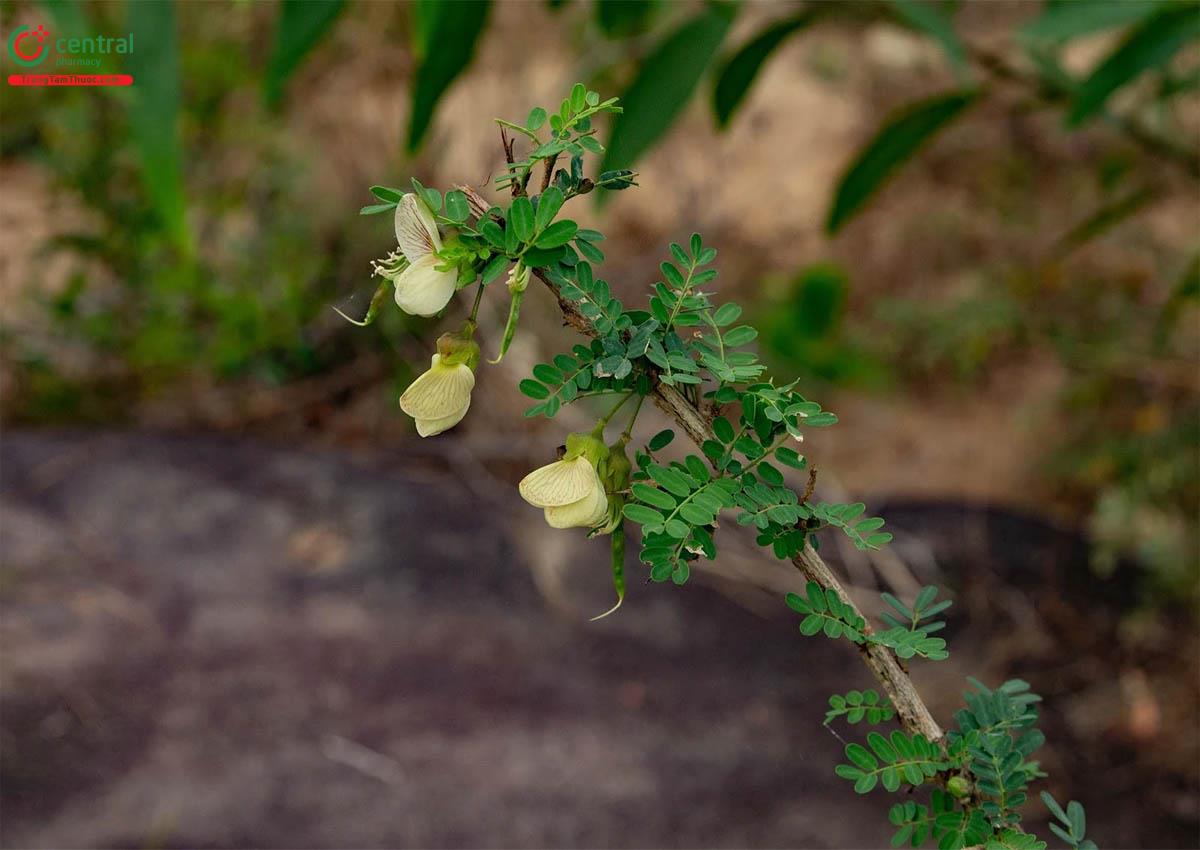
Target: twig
[913,713]
[548,173]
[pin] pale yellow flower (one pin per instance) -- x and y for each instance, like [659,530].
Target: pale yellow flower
[570,492]
[440,398]
[421,289]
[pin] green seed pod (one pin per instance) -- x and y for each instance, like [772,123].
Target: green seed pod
[618,568]
[518,282]
[377,301]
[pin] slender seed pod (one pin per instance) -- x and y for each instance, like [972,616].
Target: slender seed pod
[618,568]
[377,301]
[510,327]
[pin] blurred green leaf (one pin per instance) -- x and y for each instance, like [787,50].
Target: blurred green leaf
[424,13]
[664,83]
[821,291]
[1149,45]
[900,138]
[453,27]
[302,23]
[738,73]
[1185,291]
[1063,21]
[154,113]
[69,16]
[619,18]
[1102,220]
[933,21]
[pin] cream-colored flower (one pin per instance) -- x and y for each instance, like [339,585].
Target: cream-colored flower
[570,492]
[440,398]
[421,289]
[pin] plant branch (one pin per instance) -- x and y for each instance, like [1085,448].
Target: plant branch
[910,708]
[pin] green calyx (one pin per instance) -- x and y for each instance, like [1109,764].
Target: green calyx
[588,446]
[617,474]
[618,469]
[456,348]
[462,255]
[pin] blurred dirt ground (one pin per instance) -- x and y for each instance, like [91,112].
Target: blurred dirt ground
[220,643]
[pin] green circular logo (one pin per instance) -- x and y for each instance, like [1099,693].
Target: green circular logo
[28,46]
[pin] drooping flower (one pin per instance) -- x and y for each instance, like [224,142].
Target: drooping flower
[571,490]
[439,399]
[421,288]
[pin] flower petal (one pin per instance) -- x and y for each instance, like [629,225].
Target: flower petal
[416,229]
[563,482]
[442,392]
[422,290]
[586,513]
[432,427]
